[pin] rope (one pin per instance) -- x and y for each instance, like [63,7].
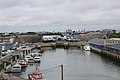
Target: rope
[46,69]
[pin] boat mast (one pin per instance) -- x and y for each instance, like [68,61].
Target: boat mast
[61,71]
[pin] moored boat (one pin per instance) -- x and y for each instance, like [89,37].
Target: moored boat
[27,57]
[87,48]
[34,54]
[31,60]
[16,68]
[23,63]
[37,59]
[35,76]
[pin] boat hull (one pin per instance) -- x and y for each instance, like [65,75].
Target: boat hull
[37,61]
[23,65]
[16,71]
[31,61]
[87,48]
[35,76]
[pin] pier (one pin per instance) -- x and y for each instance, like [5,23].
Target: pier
[110,51]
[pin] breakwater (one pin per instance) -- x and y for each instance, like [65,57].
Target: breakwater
[106,53]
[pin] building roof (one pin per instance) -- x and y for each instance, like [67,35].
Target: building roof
[96,41]
[2,44]
[115,46]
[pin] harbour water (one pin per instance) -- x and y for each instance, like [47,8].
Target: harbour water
[78,65]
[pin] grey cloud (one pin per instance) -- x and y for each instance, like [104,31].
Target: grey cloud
[58,12]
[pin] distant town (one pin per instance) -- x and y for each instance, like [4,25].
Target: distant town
[15,46]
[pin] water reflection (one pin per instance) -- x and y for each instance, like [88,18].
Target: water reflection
[114,66]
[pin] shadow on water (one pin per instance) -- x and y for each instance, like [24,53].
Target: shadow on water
[112,63]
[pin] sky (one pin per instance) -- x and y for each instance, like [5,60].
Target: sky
[58,15]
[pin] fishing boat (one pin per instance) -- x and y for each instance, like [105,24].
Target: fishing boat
[23,63]
[37,59]
[36,75]
[16,68]
[33,54]
[31,60]
[87,48]
[27,57]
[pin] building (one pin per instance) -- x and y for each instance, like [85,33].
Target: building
[111,41]
[107,45]
[9,39]
[6,42]
[72,35]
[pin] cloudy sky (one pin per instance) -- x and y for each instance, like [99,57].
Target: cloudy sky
[44,15]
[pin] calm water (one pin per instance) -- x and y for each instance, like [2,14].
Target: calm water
[78,65]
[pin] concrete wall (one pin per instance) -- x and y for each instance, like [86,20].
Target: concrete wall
[108,54]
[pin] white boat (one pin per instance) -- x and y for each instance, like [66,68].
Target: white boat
[37,59]
[87,48]
[33,54]
[16,68]
[23,63]
[27,57]
[3,52]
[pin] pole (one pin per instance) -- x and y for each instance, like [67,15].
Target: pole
[11,61]
[61,72]
[5,66]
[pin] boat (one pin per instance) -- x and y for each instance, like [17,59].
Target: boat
[87,48]
[23,63]
[33,54]
[41,51]
[37,59]
[35,76]
[16,68]
[31,60]
[27,57]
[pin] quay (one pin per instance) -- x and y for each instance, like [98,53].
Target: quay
[111,51]
[4,76]
[62,44]
[9,60]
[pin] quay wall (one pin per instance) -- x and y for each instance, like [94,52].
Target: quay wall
[105,53]
[63,44]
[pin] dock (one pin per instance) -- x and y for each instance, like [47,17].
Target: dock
[62,44]
[110,51]
[4,76]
